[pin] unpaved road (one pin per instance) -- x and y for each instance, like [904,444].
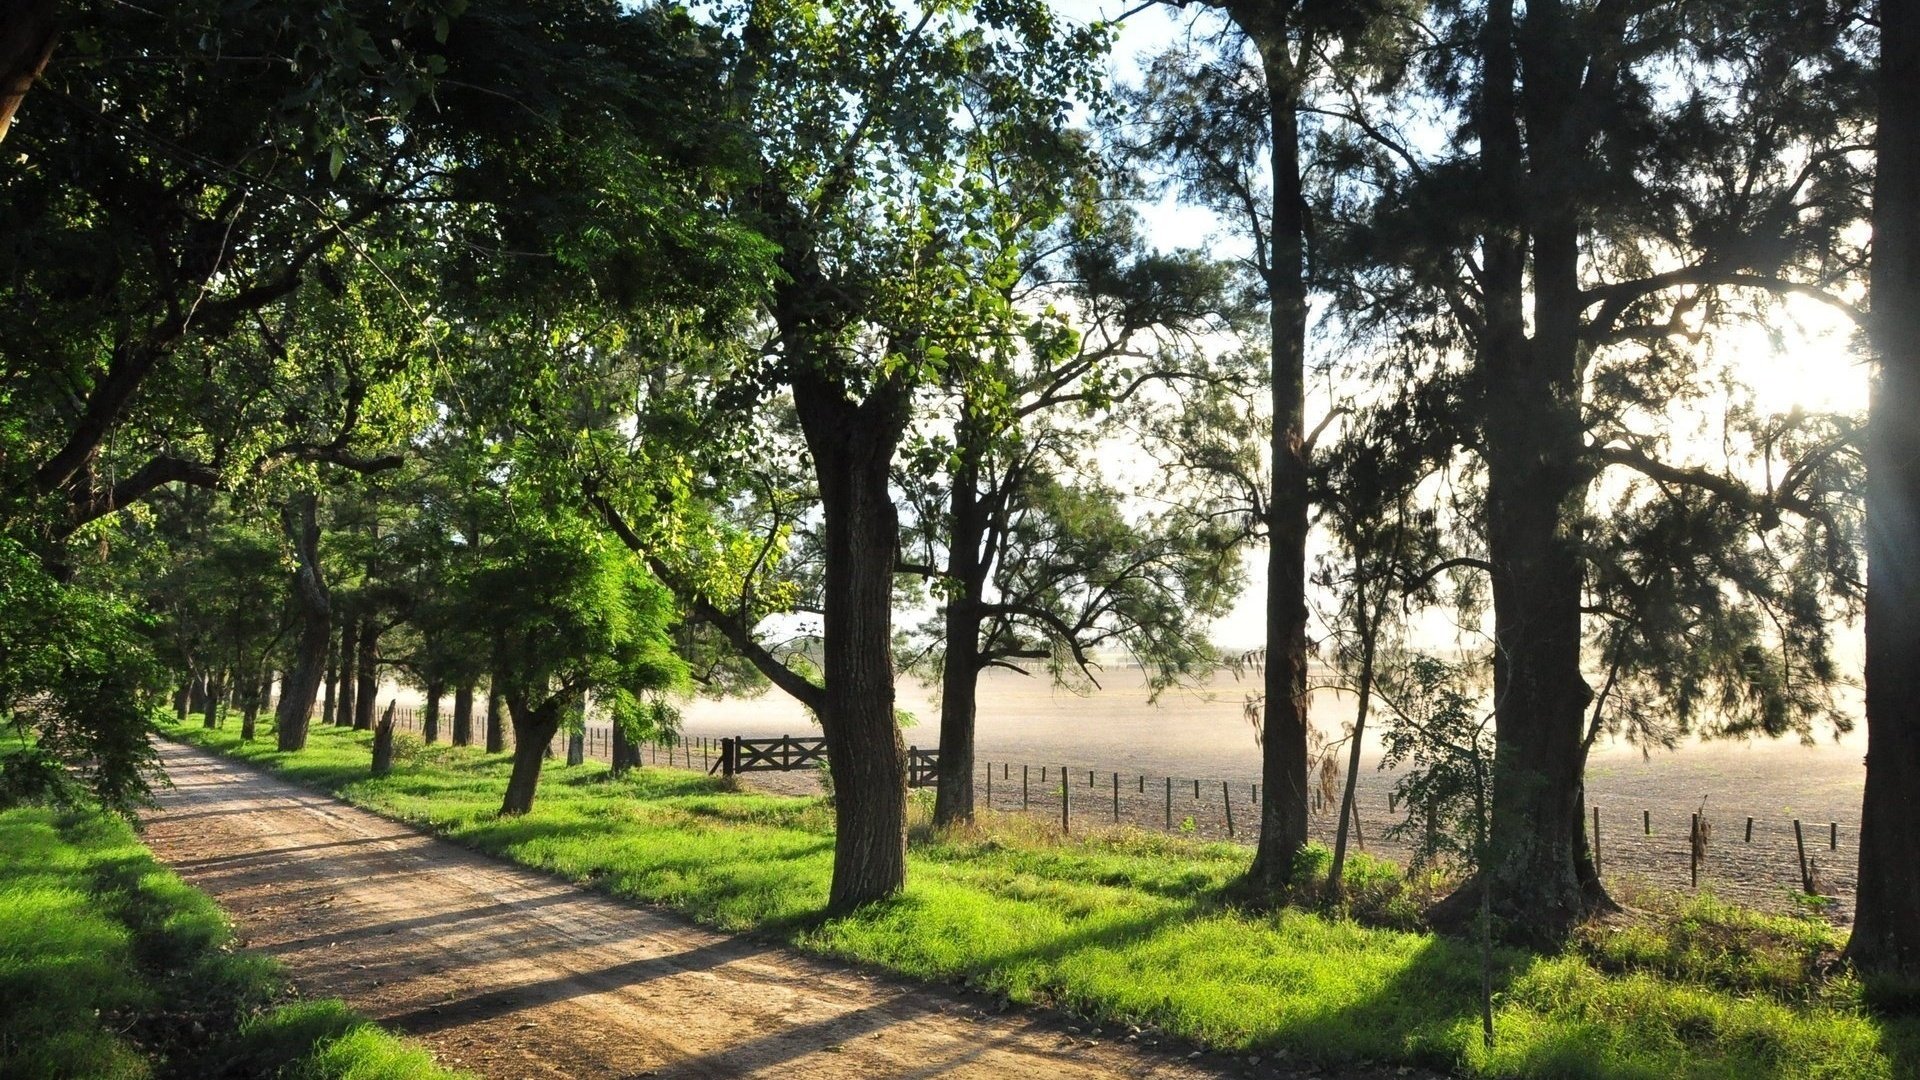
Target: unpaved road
[511,973]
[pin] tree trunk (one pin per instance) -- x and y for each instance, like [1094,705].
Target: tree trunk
[576,747]
[366,697]
[430,716]
[316,624]
[852,448]
[349,672]
[960,674]
[249,718]
[181,698]
[383,742]
[1284,724]
[496,729]
[1886,925]
[27,35]
[216,698]
[463,714]
[532,731]
[1536,864]
[197,694]
[622,752]
[333,680]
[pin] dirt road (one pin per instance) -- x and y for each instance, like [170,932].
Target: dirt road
[510,973]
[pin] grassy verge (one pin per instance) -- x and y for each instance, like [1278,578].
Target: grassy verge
[1135,928]
[111,967]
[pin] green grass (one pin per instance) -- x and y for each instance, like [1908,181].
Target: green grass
[1138,928]
[112,968]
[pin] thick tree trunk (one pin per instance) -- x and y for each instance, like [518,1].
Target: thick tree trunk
[959,694]
[430,716]
[1536,865]
[332,681]
[216,701]
[496,727]
[960,674]
[316,624]
[852,448]
[249,718]
[383,743]
[1886,925]
[197,694]
[532,732]
[576,747]
[349,672]
[1284,725]
[366,696]
[623,754]
[463,715]
[181,698]
[27,35]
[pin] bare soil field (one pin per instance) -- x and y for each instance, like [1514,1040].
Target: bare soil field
[1202,735]
[513,974]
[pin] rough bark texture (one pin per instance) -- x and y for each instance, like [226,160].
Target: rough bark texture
[197,693]
[463,715]
[367,670]
[327,693]
[27,34]
[383,742]
[1886,925]
[533,730]
[249,719]
[576,747]
[216,702]
[622,754]
[1534,448]
[960,676]
[430,715]
[496,727]
[181,698]
[315,608]
[852,446]
[1284,725]
[349,671]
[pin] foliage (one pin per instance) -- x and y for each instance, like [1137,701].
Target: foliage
[77,684]
[1438,732]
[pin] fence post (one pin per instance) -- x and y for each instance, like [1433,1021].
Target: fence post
[1116,798]
[1026,799]
[1646,822]
[726,756]
[1143,783]
[1800,842]
[1169,804]
[1196,790]
[1066,801]
[1596,841]
[1833,836]
[1749,838]
[1226,800]
[989,785]
[1693,851]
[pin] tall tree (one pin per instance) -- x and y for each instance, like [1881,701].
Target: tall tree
[1594,231]
[1886,925]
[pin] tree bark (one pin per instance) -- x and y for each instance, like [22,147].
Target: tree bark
[26,44]
[496,730]
[216,700]
[463,714]
[1536,864]
[366,697]
[852,446]
[315,606]
[576,747]
[181,698]
[430,716]
[343,709]
[1284,723]
[532,732]
[960,675]
[332,679]
[383,742]
[197,694]
[1886,925]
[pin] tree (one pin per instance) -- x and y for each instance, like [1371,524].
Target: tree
[1886,927]
[575,615]
[1581,235]
[315,606]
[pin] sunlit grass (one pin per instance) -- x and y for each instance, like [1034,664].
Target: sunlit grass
[1131,928]
[111,967]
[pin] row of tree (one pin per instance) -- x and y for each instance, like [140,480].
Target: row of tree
[567,348]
